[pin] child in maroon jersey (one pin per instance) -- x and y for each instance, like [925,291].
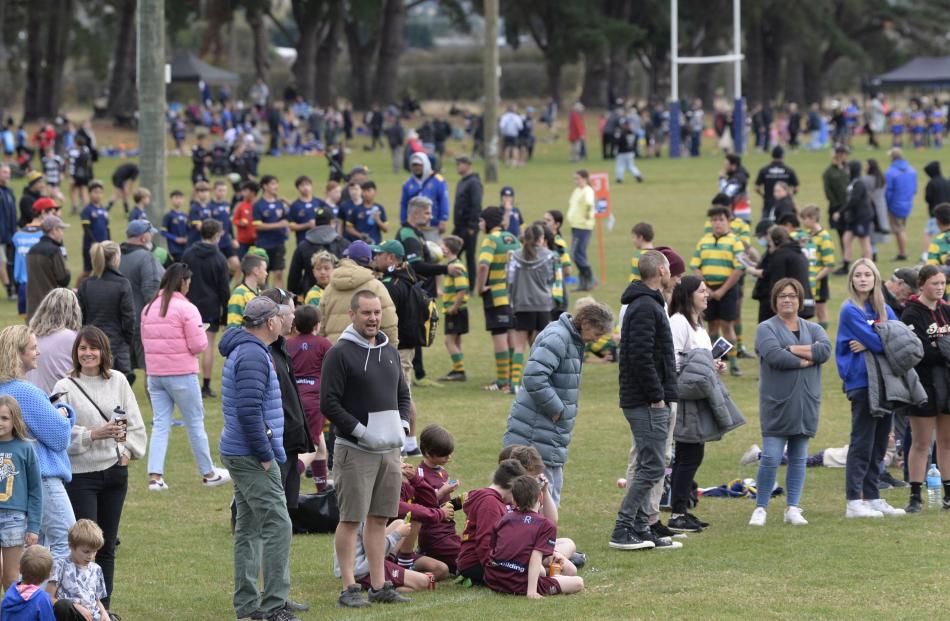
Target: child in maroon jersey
[417,500]
[439,540]
[306,349]
[521,543]
[483,509]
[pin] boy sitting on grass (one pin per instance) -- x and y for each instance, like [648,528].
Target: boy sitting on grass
[439,540]
[77,577]
[522,544]
[418,506]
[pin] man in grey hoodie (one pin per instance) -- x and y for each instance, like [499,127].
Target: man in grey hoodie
[144,272]
[365,395]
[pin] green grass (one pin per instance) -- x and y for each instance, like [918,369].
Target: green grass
[175,557]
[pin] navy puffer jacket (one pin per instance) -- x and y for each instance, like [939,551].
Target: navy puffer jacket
[250,399]
[550,386]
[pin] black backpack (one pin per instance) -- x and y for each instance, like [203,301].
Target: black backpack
[424,309]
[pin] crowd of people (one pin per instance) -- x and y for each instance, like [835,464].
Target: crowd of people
[323,349]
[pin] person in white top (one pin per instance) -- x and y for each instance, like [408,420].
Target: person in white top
[509,125]
[687,304]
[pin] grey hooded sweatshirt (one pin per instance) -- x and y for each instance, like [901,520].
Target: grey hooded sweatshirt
[530,281]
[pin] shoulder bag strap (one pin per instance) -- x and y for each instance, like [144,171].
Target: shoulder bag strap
[89,399]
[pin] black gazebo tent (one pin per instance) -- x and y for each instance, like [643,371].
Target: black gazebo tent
[186,67]
[925,72]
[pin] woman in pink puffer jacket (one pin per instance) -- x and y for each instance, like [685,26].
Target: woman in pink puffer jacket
[172,337]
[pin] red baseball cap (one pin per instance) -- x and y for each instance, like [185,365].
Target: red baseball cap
[44,204]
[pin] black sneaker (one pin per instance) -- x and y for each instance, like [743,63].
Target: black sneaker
[889,478]
[207,393]
[841,271]
[454,376]
[660,543]
[735,371]
[293,606]
[352,597]
[684,524]
[946,503]
[701,523]
[624,538]
[578,559]
[387,595]
[660,530]
[915,505]
[283,615]
[743,354]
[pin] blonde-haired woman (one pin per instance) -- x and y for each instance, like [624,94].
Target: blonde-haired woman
[105,299]
[856,334]
[55,323]
[51,427]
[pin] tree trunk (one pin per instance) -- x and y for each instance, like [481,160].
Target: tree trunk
[752,85]
[795,77]
[255,19]
[57,48]
[552,68]
[307,17]
[390,50]
[327,54]
[618,72]
[218,15]
[35,28]
[595,92]
[122,99]
[361,63]
[151,88]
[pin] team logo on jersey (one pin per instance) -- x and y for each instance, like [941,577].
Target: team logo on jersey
[7,472]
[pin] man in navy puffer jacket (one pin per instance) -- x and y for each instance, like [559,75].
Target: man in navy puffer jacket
[252,440]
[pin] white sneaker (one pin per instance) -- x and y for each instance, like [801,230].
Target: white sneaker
[881,505]
[758,517]
[157,485]
[861,509]
[751,456]
[221,476]
[793,516]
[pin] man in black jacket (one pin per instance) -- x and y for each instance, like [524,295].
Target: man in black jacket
[46,264]
[296,433]
[323,236]
[209,291]
[647,387]
[936,192]
[468,204]
[364,394]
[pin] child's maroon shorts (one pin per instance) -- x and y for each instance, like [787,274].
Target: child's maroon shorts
[394,574]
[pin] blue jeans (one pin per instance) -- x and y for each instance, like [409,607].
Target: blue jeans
[580,238]
[58,517]
[649,426]
[167,392]
[624,163]
[772,449]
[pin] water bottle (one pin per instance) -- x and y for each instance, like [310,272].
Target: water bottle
[933,485]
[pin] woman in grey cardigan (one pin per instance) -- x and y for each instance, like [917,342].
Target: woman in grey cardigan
[791,352]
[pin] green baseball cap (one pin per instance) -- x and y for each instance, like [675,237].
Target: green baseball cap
[391,246]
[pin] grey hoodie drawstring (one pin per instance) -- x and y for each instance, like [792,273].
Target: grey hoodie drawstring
[379,356]
[366,363]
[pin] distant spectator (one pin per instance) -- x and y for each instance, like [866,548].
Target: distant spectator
[901,186]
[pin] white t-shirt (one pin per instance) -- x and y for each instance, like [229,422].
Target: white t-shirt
[685,337]
[510,124]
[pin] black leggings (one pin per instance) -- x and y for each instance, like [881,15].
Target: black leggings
[688,458]
[99,496]
[475,573]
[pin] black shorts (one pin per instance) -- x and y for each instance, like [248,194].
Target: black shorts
[824,292]
[511,141]
[860,228]
[119,182]
[213,324]
[938,394]
[498,319]
[457,323]
[276,258]
[532,321]
[81,182]
[725,309]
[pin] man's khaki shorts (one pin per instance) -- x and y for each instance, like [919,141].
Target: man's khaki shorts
[366,483]
[897,224]
[405,361]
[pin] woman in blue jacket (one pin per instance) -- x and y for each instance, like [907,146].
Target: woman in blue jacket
[856,334]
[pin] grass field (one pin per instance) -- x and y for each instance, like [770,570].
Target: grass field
[175,557]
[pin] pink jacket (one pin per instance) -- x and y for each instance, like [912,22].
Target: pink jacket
[172,342]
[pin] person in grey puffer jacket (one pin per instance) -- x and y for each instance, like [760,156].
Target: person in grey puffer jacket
[531,274]
[545,409]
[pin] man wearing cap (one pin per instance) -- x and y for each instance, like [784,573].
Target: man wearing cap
[770,174]
[899,287]
[46,264]
[323,236]
[468,204]
[23,240]
[425,182]
[31,193]
[8,223]
[251,443]
[364,393]
[351,275]
[139,265]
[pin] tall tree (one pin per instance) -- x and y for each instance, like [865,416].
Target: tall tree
[254,13]
[151,86]
[49,26]
[390,50]
[122,94]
